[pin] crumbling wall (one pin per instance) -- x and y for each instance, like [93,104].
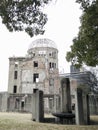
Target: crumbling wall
[3,101]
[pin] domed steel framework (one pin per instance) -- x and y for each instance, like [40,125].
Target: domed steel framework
[42,43]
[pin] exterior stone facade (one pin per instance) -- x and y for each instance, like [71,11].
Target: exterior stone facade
[38,69]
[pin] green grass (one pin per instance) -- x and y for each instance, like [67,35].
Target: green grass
[21,121]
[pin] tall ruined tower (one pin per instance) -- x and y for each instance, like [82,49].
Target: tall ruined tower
[39,69]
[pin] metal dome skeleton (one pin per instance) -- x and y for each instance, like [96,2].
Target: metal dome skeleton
[42,43]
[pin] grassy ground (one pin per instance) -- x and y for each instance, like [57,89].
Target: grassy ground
[17,121]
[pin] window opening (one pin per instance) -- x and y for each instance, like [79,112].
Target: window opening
[16,64]
[22,104]
[50,65]
[35,64]
[35,77]
[50,54]
[17,103]
[15,89]
[15,74]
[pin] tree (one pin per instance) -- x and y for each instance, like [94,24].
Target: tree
[85,46]
[24,15]
[94,71]
[85,4]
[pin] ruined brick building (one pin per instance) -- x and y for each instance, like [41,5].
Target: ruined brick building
[38,69]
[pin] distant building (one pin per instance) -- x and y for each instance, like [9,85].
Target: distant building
[38,69]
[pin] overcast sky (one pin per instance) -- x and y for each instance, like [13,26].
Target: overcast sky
[63,25]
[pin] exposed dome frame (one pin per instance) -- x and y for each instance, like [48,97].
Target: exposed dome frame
[42,43]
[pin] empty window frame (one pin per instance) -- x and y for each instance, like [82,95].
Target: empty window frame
[15,89]
[35,77]
[50,65]
[42,53]
[17,103]
[35,63]
[16,64]
[15,74]
[22,104]
[50,54]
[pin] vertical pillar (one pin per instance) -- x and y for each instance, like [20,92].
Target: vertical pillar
[86,109]
[65,95]
[92,104]
[37,107]
[56,104]
[79,107]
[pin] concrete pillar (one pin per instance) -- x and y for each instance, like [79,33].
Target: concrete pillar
[37,107]
[82,107]
[46,105]
[79,107]
[86,109]
[4,101]
[93,105]
[56,104]
[65,95]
